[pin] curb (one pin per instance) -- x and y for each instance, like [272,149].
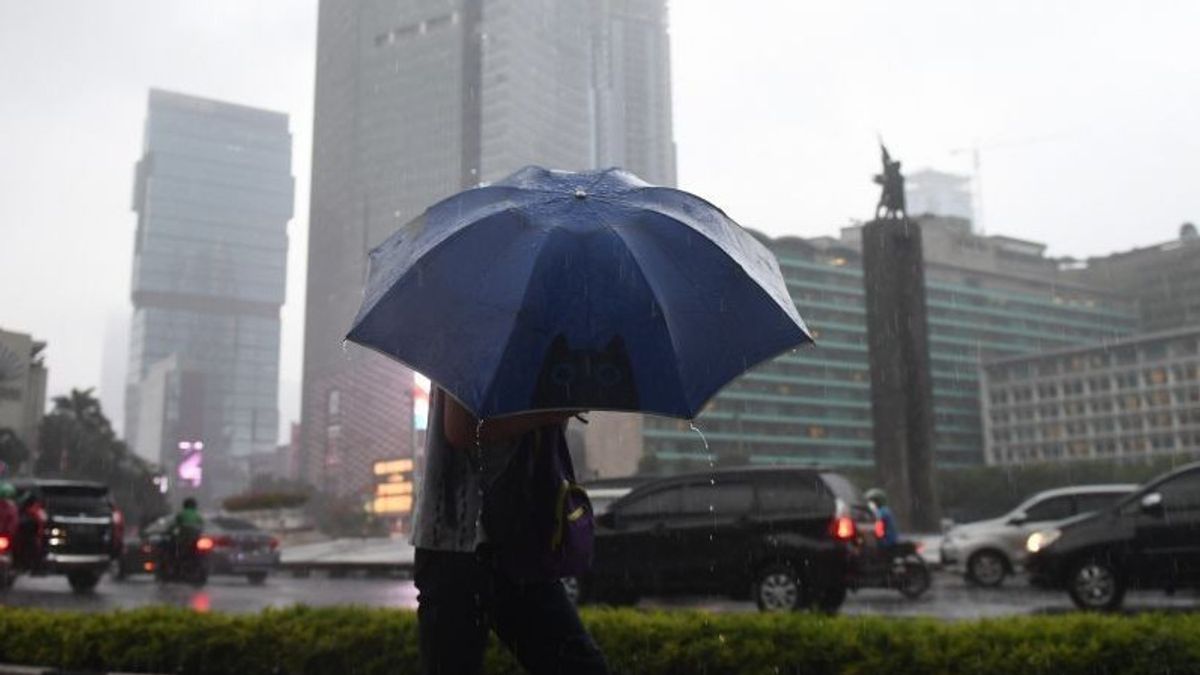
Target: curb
[10,669]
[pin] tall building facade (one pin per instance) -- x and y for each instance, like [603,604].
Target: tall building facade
[213,194]
[418,99]
[986,297]
[1126,399]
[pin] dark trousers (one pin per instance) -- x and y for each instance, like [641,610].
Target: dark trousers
[464,595]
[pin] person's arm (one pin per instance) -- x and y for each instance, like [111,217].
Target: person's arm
[460,426]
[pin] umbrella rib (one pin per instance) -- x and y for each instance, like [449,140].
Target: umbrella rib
[655,291]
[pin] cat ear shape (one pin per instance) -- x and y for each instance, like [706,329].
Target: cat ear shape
[559,348]
[615,346]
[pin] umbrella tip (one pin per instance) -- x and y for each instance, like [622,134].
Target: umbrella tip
[580,193]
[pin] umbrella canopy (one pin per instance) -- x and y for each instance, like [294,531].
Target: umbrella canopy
[591,290]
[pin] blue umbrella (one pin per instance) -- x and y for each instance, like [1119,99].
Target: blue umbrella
[591,290]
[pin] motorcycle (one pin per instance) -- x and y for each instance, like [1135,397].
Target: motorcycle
[182,558]
[899,567]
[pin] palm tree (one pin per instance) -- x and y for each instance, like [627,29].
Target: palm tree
[84,407]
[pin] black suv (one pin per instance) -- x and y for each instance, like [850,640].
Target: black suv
[66,527]
[789,538]
[1151,539]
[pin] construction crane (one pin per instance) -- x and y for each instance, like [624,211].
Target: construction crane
[976,152]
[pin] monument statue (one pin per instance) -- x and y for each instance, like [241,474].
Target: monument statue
[891,201]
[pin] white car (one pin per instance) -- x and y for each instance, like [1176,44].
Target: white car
[987,551]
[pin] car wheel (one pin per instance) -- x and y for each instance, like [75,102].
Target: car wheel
[778,589]
[257,578]
[83,582]
[987,568]
[1096,585]
[830,599]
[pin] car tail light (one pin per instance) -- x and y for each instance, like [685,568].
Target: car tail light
[4,543]
[118,526]
[844,529]
[148,566]
[880,529]
[274,543]
[205,544]
[39,513]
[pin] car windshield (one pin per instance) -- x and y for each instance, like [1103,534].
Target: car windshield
[232,524]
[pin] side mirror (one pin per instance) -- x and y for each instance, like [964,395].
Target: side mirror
[1018,518]
[607,519]
[1152,504]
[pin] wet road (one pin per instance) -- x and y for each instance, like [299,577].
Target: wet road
[950,598]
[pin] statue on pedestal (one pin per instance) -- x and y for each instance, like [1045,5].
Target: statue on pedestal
[891,201]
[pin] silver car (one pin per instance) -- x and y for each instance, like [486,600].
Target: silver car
[239,548]
[987,551]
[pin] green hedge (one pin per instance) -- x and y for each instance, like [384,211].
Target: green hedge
[348,641]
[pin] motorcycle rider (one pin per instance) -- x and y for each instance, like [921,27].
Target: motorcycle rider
[9,515]
[186,529]
[891,532]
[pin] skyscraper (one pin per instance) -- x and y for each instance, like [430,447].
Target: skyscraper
[213,193]
[418,99]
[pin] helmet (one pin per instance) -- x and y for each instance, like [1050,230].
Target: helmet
[876,496]
[189,503]
[7,491]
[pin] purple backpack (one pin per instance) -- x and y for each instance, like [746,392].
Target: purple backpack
[540,520]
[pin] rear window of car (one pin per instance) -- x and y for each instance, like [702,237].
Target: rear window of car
[84,500]
[718,498]
[1052,508]
[798,496]
[233,524]
[1094,501]
[843,489]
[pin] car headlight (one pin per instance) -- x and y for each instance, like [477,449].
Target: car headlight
[1040,540]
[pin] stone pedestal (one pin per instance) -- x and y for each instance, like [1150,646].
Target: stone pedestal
[901,379]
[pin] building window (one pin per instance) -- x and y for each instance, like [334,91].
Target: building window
[333,438]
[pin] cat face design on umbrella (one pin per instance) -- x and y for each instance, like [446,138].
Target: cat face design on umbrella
[586,377]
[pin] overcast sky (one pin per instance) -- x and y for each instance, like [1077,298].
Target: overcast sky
[1085,114]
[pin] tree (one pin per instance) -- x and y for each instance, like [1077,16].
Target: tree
[13,451]
[77,441]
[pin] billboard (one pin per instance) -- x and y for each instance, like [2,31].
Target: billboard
[393,487]
[190,468]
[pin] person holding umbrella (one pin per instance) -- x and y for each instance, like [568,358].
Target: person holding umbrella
[464,589]
[528,301]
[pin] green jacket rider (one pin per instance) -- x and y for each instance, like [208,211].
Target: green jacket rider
[189,520]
